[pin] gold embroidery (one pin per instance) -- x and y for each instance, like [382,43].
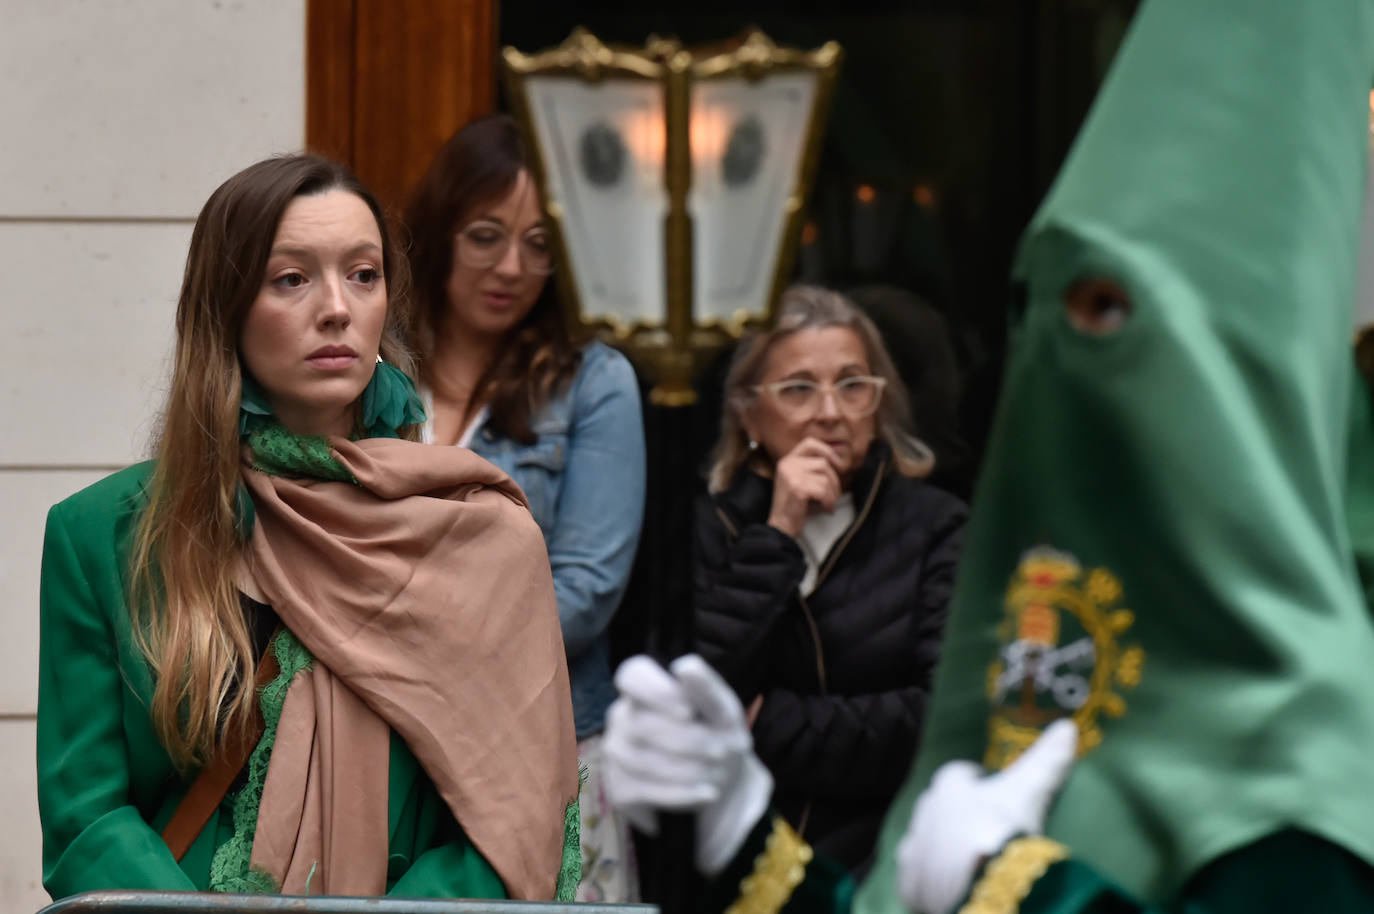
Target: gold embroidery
[777,872]
[1059,655]
[1008,879]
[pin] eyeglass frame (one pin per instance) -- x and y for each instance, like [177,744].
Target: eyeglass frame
[505,248]
[831,389]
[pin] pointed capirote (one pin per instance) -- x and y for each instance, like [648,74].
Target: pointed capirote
[1160,543]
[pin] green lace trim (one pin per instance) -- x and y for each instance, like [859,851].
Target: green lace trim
[570,873]
[277,452]
[230,869]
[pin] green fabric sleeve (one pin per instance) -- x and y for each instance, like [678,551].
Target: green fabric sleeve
[93,838]
[1285,872]
[826,889]
[1071,886]
[1288,871]
[722,891]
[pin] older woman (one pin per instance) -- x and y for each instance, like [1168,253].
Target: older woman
[824,565]
[411,729]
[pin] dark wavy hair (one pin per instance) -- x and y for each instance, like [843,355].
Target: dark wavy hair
[479,165]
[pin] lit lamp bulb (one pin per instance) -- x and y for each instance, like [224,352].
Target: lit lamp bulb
[708,132]
[646,136]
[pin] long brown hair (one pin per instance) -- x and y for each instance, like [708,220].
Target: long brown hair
[478,165]
[188,545]
[803,307]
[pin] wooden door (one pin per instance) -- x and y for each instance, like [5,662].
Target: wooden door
[388,81]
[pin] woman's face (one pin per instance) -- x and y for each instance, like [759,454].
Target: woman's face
[500,263]
[823,356]
[311,337]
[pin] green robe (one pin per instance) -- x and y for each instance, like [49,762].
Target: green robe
[1164,519]
[1288,872]
[106,786]
[1173,533]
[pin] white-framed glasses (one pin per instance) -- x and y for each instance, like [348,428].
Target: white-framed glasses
[799,399]
[482,244]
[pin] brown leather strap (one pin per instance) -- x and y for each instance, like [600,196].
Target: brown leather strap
[214,779]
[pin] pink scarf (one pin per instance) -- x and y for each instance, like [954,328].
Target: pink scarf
[425,595]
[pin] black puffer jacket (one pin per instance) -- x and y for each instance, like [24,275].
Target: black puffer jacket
[845,673]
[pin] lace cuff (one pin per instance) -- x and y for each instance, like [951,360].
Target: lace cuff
[1007,880]
[777,872]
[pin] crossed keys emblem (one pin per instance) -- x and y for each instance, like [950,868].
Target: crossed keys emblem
[1059,654]
[1039,668]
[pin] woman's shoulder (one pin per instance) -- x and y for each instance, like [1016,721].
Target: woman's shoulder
[745,501]
[98,520]
[605,366]
[918,501]
[116,495]
[605,381]
[602,373]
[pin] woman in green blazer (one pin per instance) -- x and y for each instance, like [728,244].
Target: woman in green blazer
[356,633]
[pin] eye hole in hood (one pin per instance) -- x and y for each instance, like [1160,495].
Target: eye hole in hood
[1096,306]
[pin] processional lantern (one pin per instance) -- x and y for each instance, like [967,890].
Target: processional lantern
[673,181]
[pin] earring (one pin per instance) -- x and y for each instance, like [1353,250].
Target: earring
[753,445]
[379,358]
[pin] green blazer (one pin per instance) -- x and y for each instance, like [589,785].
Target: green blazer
[105,784]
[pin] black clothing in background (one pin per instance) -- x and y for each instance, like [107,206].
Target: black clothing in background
[917,337]
[844,673]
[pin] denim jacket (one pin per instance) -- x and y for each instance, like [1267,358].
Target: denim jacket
[584,478]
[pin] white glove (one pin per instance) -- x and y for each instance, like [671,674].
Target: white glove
[678,741]
[963,818]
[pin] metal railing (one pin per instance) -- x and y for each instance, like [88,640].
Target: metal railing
[132,902]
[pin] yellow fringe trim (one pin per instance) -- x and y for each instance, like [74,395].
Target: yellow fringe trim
[777,872]
[1007,880]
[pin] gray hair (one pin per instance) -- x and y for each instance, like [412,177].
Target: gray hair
[812,307]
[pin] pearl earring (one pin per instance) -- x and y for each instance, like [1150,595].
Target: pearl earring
[753,445]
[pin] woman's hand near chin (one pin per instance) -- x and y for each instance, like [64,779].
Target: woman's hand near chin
[807,476]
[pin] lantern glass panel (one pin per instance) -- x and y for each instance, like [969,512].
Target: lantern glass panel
[603,149]
[748,138]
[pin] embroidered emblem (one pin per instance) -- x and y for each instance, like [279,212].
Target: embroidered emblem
[1059,655]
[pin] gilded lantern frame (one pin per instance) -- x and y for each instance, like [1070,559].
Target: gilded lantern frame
[672,350]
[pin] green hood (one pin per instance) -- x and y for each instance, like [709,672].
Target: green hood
[1160,543]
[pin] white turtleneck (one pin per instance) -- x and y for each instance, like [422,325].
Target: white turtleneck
[819,535]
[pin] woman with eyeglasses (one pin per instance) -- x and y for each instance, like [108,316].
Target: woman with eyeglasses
[823,567]
[501,374]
